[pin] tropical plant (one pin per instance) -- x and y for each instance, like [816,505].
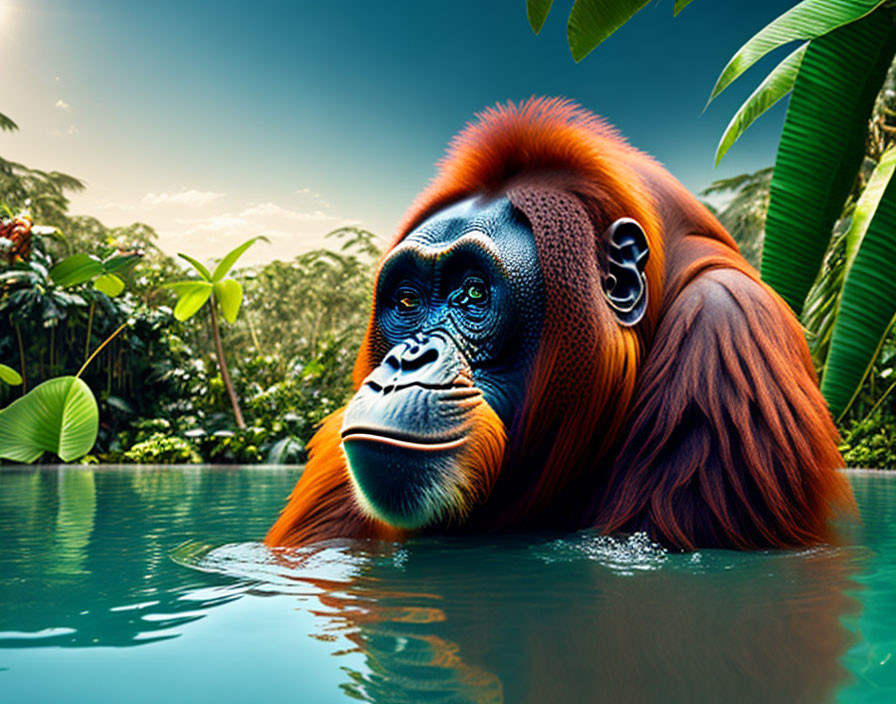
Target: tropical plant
[102,271]
[317,300]
[6,124]
[58,416]
[591,21]
[871,442]
[743,215]
[160,448]
[214,288]
[45,307]
[10,376]
[835,77]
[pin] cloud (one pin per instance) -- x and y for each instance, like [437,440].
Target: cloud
[60,133]
[191,197]
[314,195]
[272,210]
[269,219]
[62,105]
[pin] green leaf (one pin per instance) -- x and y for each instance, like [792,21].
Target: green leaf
[821,149]
[808,20]
[226,264]
[867,308]
[229,293]
[868,202]
[10,375]
[289,449]
[313,368]
[823,302]
[679,6]
[592,21]
[59,416]
[109,284]
[537,12]
[192,295]
[120,262]
[7,124]
[76,269]
[197,265]
[776,85]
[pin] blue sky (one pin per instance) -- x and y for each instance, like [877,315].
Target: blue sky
[214,121]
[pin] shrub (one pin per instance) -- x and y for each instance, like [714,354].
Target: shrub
[159,448]
[871,442]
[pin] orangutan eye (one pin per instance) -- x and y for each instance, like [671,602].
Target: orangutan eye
[408,299]
[474,291]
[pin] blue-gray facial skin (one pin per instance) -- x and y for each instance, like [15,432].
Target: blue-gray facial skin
[470,272]
[460,303]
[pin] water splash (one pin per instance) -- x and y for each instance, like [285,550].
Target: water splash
[624,555]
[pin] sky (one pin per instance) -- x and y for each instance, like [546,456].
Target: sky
[217,121]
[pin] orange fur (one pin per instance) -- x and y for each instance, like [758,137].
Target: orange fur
[321,505]
[702,425]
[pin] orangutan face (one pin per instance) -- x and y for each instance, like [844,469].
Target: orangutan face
[460,302]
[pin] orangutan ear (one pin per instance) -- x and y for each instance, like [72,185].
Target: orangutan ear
[625,286]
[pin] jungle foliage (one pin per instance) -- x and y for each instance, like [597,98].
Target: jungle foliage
[829,239]
[158,386]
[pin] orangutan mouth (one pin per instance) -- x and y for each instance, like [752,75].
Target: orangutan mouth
[403,440]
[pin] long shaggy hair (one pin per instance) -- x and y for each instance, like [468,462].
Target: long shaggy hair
[701,425]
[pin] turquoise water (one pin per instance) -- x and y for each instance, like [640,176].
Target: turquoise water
[146,585]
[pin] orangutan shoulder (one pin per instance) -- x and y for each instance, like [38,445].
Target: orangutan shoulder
[733,308]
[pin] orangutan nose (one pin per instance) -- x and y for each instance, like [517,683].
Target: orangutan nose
[423,360]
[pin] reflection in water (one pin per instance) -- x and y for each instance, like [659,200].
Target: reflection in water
[535,620]
[84,553]
[86,560]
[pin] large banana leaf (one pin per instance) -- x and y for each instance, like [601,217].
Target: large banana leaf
[867,307]
[775,86]
[823,302]
[592,21]
[868,202]
[821,148]
[808,20]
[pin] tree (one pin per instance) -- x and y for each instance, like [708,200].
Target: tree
[6,124]
[744,215]
[214,288]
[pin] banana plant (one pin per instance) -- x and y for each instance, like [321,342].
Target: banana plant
[841,71]
[833,77]
[213,288]
[591,21]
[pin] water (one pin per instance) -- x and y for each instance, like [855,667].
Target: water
[146,585]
